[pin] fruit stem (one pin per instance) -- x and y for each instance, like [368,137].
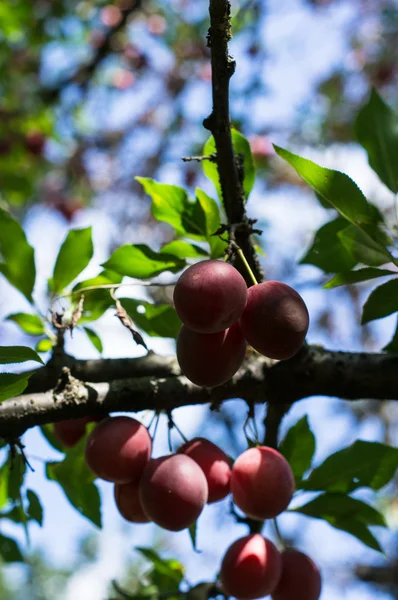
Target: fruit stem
[248,268]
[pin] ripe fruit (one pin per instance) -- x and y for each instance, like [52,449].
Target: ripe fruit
[173,491]
[214,463]
[70,432]
[118,449]
[275,320]
[300,579]
[128,502]
[210,359]
[262,483]
[251,568]
[210,296]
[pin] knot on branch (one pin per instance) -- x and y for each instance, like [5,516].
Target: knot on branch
[68,388]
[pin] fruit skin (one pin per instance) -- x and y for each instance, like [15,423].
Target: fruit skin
[275,320]
[251,568]
[118,449]
[214,463]
[262,483]
[173,491]
[210,359]
[300,579]
[128,502]
[71,431]
[210,296]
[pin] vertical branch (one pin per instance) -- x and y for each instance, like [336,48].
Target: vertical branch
[218,122]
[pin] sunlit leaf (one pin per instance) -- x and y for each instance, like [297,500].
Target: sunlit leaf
[73,257]
[141,262]
[29,323]
[298,447]
[349,277]
[17,354]
[383,301]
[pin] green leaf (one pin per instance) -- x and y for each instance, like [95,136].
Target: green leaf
[170,570]
[159,320]
[94,339]
[44,345]
[9,550]
[241,146]
[48,432]
[76,479]
[383,301]
[18,354]
[298,447]
[35,509]
[96,302]
[4,474]
[18,256]
[29,323]
[349,277]
[141,262]
[182,250]
[363,464]
[327,251]
[346,513]
[193,531]
[12,384]
[393,345]
[376,128]
[73,257]
[16,476]
[170,204]
[210,220]
[342,193]
[363,248]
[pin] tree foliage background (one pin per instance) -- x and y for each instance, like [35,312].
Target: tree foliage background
[99,100]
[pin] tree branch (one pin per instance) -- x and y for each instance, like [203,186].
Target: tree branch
[314,371]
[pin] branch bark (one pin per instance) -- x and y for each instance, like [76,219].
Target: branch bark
[155,383]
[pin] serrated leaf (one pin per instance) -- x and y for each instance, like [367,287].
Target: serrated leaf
[76,480]
[383,301]
[241,146]
[44,345]
[182,250]
[12,384]
[170,204]
[347,514]
[94,339]
[327,251]
[349,277]
[141,262]
[159,320]
[363,248]
[363,464]
[29,323]
[35,509]
[73,257]
[18,256]
[376,128]
[9,550]
[342,193]
[298,447]
[18,354]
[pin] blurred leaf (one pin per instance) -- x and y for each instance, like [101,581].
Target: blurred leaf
[298,447]
[357,276]
[94,339]
[29,323]
[363,248]
[48,432]
[16,476]
[383,301]
[76,479]
[363,464]
[96,302]
[73,257]
[393,345]
[159,320]
[4,474]
[18,256]
[141,262]
[346,513]
[35,509]
[376,128]
[182,249]
[241,146]
[9,550]
[12,384]
[193,530]
[44,345]
[170,572]
[18,354]
[327,252]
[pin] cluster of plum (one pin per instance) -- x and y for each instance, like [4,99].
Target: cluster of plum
[220,315]
[172,491]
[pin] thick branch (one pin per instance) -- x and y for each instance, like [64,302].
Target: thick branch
[313,372]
